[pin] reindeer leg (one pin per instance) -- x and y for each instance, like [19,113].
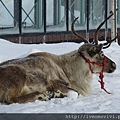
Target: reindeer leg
[57,89]
[28,98]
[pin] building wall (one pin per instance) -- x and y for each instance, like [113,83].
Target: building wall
[38,21]
[54,37]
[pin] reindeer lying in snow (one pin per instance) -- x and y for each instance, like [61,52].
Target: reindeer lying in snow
[42,76]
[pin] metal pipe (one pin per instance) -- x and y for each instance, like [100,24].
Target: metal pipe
[106,26]
[44,9]
[113,20]
[115,13]
[67,15]
[20,20]
[87,21]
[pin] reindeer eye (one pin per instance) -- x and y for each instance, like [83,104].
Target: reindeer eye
[102,54]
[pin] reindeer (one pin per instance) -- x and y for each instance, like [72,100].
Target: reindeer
[42,75]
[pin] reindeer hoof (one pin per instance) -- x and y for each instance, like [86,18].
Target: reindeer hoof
[43,97]
[59,94]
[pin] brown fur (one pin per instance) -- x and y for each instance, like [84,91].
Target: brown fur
[44,75]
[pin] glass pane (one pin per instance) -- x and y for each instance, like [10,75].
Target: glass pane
[97,13]
[118,13]
[55,15]
[8,22]
[49,13]
[32,16]
[77,9]
[28,13]
[6,13]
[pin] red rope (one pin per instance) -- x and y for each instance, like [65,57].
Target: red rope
[102,83]
[100,73]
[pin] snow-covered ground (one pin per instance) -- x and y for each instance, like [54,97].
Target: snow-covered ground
[97,102]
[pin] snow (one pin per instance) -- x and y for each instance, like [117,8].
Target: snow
[97,102]
[72,95]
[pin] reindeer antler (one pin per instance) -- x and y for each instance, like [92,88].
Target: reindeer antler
[96,32]
[98,28]
[108,43]
[76,34]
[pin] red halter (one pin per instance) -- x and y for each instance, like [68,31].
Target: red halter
[100,73]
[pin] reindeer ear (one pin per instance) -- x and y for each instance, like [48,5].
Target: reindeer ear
[95,49]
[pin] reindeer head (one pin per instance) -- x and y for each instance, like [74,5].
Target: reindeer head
[92,52]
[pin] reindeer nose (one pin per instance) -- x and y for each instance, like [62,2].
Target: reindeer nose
[113,66]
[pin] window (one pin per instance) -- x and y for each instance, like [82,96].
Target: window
[97,13]
[6,13]
[8,22]
[32,16]
[55,15]
[39,16]
[77,9]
